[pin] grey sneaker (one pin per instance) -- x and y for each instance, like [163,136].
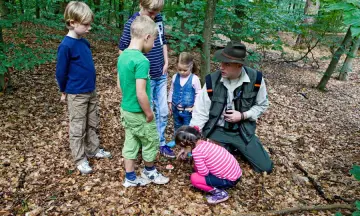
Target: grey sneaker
[84,167]
[103,154]
[137,182]
[154,176]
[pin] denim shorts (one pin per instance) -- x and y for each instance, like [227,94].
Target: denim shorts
[214,181]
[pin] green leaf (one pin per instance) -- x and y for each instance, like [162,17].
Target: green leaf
[357,213]
[355,171]
[341,6]
[357,204]
[338,214]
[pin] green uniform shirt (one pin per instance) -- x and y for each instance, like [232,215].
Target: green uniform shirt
[132,65]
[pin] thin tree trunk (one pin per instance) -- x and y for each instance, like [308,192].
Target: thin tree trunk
[121,16]
[37,9]
[311,10]
[109,12]
[347,66]
[208,26]
[334,61]
[240,13]
[21,6]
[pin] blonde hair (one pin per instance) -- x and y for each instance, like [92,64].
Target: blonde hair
[78,12]
[186,58]
[152,4]
[143,25]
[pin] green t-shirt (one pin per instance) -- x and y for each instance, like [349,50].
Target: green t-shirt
[132,65]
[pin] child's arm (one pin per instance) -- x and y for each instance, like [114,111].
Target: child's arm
[170,95]
[166,59]
[199,163]
[143,99]
[63,59]
[196,86]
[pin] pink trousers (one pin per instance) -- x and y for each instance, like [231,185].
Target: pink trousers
[199,182]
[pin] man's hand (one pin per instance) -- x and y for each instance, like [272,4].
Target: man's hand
[170,108]
[63,97]
[233,116]
[149,117]
[165,68]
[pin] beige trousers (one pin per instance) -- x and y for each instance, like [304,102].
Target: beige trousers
[84,121]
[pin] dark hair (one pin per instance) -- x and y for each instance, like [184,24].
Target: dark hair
[187,136]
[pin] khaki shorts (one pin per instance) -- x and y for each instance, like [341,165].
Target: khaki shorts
[139,134]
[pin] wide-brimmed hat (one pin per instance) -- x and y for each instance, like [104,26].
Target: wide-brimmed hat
[234,52]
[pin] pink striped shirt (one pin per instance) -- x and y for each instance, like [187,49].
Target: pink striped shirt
[214,159]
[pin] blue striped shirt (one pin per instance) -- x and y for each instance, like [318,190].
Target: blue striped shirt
[156,55]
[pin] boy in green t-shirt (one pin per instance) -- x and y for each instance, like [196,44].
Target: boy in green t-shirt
[137,116]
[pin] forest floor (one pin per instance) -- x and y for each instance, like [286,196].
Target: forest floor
[320,131]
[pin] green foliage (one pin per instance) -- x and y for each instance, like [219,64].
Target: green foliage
[351,14]
[355,171]
[22,57]
[187,26]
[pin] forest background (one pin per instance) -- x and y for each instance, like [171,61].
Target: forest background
[306,48]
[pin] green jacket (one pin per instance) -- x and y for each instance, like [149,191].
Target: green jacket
[243,103]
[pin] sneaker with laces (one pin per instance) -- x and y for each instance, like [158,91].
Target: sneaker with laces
[167,152]
[103,154]
[137,182]
[154,176]
[84,167]
[217,196]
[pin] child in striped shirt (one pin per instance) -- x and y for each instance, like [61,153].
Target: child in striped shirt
[215,168]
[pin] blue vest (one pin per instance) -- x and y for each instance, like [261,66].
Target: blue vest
[183,95]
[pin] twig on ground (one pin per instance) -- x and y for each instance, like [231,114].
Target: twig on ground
[317,186]
[301,208]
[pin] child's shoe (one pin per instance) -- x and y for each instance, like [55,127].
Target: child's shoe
[171,144]
[103,154]
[84,167]
[217,196]
[154,176]
[137,182]
[167,152]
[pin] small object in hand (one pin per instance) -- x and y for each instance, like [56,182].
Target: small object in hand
[228,112]
[169,167]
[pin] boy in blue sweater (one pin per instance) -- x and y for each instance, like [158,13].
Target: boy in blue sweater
[76,77]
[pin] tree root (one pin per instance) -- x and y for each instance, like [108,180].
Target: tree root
[301,208]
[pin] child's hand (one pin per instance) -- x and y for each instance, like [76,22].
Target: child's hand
[170,108]
[63,97]
[149,118]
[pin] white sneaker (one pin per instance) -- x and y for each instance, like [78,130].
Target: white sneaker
[154,176]
[103,154]
[137,182]
[84,167]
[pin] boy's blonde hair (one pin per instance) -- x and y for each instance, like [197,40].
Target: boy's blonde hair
[156,5]
[186,58]
[78,12]
[143,25]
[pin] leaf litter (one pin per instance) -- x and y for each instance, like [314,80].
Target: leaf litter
[320,131]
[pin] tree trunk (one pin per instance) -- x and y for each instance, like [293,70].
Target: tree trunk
[334,61]
[21,6]
[109,12]
[240,13]
[37,9]
[208,26]
[347,66]
[3,13]
[183,22]
[311,10]
[97,6]
[121,16]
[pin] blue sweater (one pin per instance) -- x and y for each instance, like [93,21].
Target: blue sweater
[75,69]
[156,55]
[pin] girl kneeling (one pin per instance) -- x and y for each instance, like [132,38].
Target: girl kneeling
[215,168]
